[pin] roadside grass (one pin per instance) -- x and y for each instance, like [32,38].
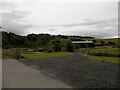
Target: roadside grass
[104,59]
[45,55]
[107,49]
[110,52]
[8,57]
[115,40]
[102,54]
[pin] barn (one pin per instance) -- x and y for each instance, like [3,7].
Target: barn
[83,44]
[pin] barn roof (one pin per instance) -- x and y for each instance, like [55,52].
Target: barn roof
[82,42]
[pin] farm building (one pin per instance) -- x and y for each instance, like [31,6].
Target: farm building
[83,44]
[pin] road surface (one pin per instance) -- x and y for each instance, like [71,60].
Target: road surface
[18,75]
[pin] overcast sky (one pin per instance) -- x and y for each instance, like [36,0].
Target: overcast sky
[98,19]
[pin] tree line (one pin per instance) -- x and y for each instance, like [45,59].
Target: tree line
[50,43]
[11,40]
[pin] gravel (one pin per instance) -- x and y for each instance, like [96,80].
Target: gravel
[78,71]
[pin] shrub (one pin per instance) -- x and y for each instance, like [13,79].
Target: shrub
[17,53]
[49,51]
[69,46]
[56,46]
[111,43]
[102,42]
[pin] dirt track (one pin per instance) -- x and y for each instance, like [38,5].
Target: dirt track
[78,71]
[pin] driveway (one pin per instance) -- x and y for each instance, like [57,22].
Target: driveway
[78,71]
[18,75]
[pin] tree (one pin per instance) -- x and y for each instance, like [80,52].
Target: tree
[56,46]
[102,42]
[69,46]
[111,43]
[94,41]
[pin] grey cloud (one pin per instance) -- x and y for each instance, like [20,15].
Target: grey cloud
[88,22]
[97,28]
[10,22]
[52,29]
[101,28]
[15,27]
[98,32]
[14,15]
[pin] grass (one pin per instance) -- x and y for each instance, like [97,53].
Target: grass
[116,40]
[104,59]
[8,57]
[111,52]
[108,49]
[102,54]
[11,53]
[45,55]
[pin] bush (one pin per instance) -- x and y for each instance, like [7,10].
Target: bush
[56,46]
[17,53]
[69,46]
[49,51]
[111,43]
[102,42]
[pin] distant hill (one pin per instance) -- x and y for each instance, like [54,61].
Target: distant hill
[115,40]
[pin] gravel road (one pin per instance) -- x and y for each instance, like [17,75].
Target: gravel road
[18,75]
[78,71]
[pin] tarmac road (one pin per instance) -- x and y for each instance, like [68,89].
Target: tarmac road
[18,75]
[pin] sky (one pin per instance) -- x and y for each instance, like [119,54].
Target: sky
[66,17]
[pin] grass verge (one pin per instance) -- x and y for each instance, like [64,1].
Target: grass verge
[45,55]
[104,59]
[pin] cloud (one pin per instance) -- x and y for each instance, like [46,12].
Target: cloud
[99,28]
[15,27]
[14,15]
[14,22]
[96,19]
[52,29]
[87,22]
[97,32]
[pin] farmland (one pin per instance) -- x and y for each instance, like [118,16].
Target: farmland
[102,54]
[98,41]
[104,59]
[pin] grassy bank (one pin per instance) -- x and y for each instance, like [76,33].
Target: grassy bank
[110,52]
[45,55]
[104,59]
[102,54]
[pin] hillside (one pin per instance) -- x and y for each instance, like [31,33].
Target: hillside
[115,40]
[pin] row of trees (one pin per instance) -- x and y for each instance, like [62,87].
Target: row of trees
[11,40]
[49,42]
[63,45]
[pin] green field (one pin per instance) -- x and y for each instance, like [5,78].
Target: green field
[111,52]
[116,40]
[102,54]
[45,55]
[104,59]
